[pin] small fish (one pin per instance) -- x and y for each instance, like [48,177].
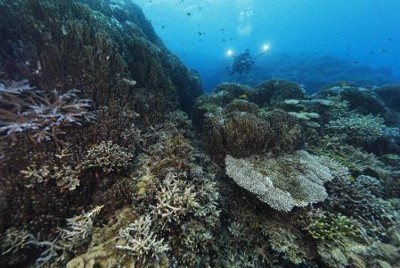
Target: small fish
[223,40]
[189,14]
[200,33]
[371,52]
[389,39]
[222,29]
[383,50]
[199,7]
[162,26]
[355,62]
[348,47]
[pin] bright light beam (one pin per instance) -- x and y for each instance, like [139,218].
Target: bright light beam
[229,53]
[265,48]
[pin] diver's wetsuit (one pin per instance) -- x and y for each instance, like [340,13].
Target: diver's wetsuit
[242,63]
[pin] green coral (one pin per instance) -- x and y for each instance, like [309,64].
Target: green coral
[327,227]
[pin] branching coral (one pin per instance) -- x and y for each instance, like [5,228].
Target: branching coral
[357,128]
[327,227]
[66,177]
[138,240]
[25,109]
[107,156]
[360,199]
[287,181]
[79,230]
[175,199]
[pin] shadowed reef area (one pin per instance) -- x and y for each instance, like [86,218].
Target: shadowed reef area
[111,157]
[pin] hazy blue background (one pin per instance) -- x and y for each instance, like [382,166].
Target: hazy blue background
[201,31]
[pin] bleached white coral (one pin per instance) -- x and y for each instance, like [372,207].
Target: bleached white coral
[175,199]
[138,240]
[244,174]
[287,181]
[79,228]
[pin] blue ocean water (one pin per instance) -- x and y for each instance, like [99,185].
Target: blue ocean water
[343,40]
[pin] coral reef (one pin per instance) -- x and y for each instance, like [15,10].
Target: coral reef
[236,125]
[275,91]
[102,166]
[107,157]
[357,128]
[138,240]
[332,229]
[287,181]
[79,231]
[26,110]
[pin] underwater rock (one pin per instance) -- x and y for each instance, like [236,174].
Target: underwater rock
[390,94]
[75,74]
[95,46]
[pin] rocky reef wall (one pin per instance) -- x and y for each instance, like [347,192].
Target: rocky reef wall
[76,76]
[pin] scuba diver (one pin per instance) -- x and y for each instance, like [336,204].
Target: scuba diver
[242,63]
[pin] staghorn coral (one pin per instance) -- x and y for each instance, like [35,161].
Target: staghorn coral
[79,229]
[174,200]
[240,134]
[195,240]
[341,242]
[138,240]
[107,156]
[287,181]
[243,133]
[55,251]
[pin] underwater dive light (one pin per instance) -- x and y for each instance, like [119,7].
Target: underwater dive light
[229,53]
[265,47]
